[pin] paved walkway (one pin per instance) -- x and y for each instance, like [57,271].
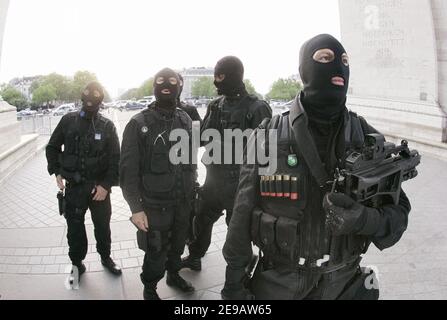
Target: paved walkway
[34,261]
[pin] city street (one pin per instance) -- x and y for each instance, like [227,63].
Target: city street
[33,247]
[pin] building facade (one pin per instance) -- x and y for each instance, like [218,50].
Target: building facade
[398,58]
[190,76]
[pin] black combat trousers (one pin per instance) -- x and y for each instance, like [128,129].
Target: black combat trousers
[78,200]
[217,194]
[166,238]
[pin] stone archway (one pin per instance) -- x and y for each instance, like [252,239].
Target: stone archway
[398,51]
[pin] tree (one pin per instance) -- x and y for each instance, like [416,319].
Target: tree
[130,94]
[14,97]
[60,83]
[284,89]
[44,94]
[146,89]
[80,80]
[204,87]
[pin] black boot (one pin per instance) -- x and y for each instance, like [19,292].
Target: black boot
[175,280]
[81,270]
[192,263]
[150,293]
[110,265]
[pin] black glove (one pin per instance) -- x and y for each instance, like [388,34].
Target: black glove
[344,216]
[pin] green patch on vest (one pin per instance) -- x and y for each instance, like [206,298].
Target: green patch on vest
[292,160]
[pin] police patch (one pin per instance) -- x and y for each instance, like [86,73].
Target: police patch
[144,129]
[292,160]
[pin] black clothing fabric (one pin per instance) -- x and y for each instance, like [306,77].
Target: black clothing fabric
[90,158]
[92,97]
[233,83]
[91,150]
[168,228]
[146,174]
[101,212]
[191,111]
[292,234]
[218,192]
[166,80]
[152,184]
[322,98]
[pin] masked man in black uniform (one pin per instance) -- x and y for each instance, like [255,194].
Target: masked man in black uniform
[234,109]
[304,254]
[158,192]
[89,165]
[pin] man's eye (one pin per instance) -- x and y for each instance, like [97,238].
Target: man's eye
[345,59]
[160,80]
[324,56]
[173,81]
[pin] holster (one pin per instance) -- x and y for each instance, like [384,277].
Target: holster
[61,202]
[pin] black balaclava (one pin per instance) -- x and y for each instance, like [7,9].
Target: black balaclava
[92,97]
[181,87]
[320,97]
[166,93]
[233,69]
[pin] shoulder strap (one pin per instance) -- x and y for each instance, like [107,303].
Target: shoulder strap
[355,130]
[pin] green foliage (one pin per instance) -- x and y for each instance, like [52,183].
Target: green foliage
[130,94]
[251,89]
[204,87]
[44,94]
[80,80]
[14,97]
[145,90]
[284,89]
[65,88]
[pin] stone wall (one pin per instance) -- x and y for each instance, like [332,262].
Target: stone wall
[397,52]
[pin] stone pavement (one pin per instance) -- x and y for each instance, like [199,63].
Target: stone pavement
[34,261]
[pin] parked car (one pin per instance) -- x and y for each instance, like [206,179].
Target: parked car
[134,105]
[25,113]
[63,109]
[145,102]
[120,104]
[149,98]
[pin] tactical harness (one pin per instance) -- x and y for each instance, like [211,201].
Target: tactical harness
[281,225]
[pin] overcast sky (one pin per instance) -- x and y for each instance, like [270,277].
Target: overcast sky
[127,41]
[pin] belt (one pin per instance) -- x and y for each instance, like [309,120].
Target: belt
[321,266]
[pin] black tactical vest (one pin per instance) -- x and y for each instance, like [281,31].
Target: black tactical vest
[229,115]
[84,158]
[162,181]
[289,223]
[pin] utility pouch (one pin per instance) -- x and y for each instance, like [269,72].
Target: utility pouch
[254,229]
[160,158]
[267,233]
[286,236]
[158,183]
